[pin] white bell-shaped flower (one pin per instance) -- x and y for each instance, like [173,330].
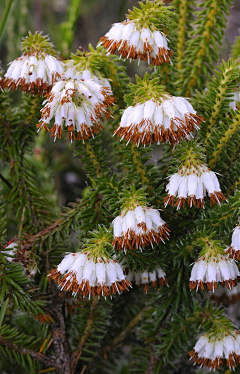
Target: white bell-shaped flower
[192,184]
[87,275]
[137,228]
[135,43]
[216,349]
[146,277]
[33,72]
[157,121]
[77,105]
[210,269]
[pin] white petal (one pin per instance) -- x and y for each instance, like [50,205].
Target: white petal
[130,220]
[168,108]
[173,184]
[144,277]
[117,226]
[149,108]
[192,184]
[139,214]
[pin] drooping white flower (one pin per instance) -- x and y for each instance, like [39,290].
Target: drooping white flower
[36,69]
[212,268]
[192,183]
[33,72]
[137,228]
[168,120]
[234,249]
[87,275]
[215,349]
[78,105]
[135,42]
[146,277]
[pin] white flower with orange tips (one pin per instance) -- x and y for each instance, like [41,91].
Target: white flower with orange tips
[138,226]
[216,349]
[135,43]
[156,116]
[193,180]
[88,276]
[91,272]
[213,267]
[167,120]
[77,105]
[36,70]
[146,277]
[139,37]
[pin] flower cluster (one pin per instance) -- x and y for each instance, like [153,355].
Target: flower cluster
[36,70]
[78,104]
[138,227]
[134,42]
[167,119]
[191,182]
[234,249]
[211,268]
[214,350]
[87,275]
[146,277]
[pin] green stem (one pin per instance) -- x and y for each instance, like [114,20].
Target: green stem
[5,15]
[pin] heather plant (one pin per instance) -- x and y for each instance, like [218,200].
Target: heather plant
[141,273]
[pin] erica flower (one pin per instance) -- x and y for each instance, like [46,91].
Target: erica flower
[141,36]
[91,271]
[135,42]
[78,105]
[138,227]
[213,267]
[234,249]
[146,277]
[191,183]
[216,349]
[36,70]
[87,275]
[168,119]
